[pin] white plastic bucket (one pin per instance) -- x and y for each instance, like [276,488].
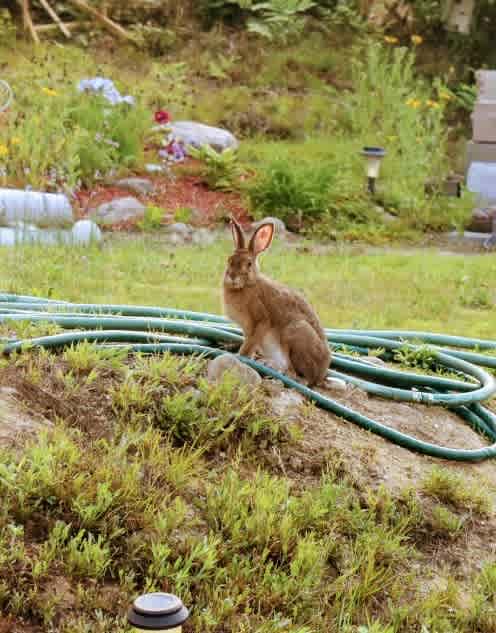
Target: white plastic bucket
[42,209]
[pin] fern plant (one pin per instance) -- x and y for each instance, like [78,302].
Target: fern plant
[279,19]
[222,169]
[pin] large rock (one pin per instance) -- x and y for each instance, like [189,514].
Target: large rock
[141,186]
[229,363]
[119,210]
[198,134]
[279,225]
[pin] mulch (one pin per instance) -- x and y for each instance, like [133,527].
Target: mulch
[185,190]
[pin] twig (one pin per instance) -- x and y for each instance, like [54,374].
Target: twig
[28,22]
[107,22]
[75,24]
[55,18]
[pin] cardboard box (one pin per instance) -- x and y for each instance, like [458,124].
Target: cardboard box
[486,84]
[484,122]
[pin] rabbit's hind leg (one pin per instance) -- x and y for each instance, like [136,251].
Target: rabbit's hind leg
[309,354]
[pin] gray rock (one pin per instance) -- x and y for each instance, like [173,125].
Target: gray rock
[120,210]
[203,237]
[279,225]
[471,237]
[140,186]
[176,239]
[373,360]
[84,232]
[198,134]
[229,363]
[336,384]
[184,230]
[287,403]
[151,168]
[385,216]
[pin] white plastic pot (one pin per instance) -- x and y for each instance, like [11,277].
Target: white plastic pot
[42,209]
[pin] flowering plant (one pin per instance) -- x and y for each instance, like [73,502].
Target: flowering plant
[162,117]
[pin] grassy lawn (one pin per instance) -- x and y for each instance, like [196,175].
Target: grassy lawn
[153,479]
[423,290]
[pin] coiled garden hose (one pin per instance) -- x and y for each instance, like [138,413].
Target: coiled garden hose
[146,330]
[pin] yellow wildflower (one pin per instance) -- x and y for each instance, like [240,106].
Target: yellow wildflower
[4,150]
[413,103]
[15,140]
[417,39]
[432,104]
[391,39]
[49,92]
[445,96]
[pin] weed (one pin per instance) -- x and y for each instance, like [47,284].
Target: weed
[445,522]
[152,219]
[455,490]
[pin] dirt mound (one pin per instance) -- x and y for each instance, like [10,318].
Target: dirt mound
[16,422]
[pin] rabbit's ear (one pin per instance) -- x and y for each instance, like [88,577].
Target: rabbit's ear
[262,238]
[238,235]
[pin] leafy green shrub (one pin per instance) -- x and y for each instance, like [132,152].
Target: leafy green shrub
[290,190]
[71,138]
[222,169]
[152,219]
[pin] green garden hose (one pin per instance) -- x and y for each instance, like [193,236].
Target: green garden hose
[144,329]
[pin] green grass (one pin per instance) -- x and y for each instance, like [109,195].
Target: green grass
[421,290]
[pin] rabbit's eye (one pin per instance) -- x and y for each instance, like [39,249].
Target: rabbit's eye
[249,264]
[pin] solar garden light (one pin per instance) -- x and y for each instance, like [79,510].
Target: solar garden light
[373,159]
[157,612]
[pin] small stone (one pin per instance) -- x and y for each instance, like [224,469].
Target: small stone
[140,186]
[154,169]
[229,363]
[280,227]
[184,230]
[84,232]
[336,384]
[286,404]
[385,216]
[374,360]
[203,237]
[120,210]
[175,239]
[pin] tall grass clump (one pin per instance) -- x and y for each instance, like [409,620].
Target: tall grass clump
[393,108]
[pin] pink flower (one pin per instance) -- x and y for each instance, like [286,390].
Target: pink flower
[162,117]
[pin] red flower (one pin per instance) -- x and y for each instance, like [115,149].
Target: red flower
[162,117]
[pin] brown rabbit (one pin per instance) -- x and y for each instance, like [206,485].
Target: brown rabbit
[277,322]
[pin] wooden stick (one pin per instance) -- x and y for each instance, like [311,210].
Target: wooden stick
[75,24]
[55,18]
[28,22]
[107,22]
